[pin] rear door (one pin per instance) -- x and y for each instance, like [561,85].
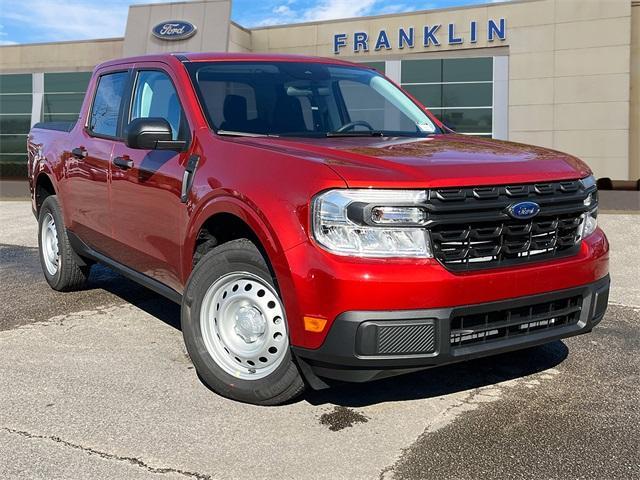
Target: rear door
[148,216]
[88,166]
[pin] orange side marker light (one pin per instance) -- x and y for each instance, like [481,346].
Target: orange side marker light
[313,324]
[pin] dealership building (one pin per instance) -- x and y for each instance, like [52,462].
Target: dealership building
[562,74]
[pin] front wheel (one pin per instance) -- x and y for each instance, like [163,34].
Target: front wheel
[235,327]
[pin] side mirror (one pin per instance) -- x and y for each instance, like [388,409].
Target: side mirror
[151,134]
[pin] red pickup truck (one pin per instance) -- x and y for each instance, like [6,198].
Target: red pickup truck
[315,222]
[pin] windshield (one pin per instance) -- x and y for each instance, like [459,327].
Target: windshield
[304,99]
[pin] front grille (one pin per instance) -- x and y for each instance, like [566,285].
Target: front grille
[511,322]
[471,228]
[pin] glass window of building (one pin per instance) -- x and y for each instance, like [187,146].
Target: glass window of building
[15,121]
[459,91]
[63,95]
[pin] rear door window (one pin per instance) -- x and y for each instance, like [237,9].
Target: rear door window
[105,111]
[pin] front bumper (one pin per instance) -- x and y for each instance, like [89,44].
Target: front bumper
[367,345]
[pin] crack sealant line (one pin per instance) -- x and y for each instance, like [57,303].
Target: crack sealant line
[108,456]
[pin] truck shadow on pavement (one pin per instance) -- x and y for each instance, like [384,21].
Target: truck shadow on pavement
[23,265]
[439,381]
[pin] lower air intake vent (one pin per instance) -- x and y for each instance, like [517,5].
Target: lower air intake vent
[501,324]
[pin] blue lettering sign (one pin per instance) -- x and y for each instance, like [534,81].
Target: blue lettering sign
[453,40]
[406,38]
[360,42]
[339,41]
[499,30]
[383,41]
[474,32]
[430,35]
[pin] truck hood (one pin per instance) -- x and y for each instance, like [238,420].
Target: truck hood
[439,160]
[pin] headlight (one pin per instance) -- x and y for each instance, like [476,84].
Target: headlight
[371,223]
[589,222]
[590,218]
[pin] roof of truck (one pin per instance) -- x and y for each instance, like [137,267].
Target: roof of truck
[224,57]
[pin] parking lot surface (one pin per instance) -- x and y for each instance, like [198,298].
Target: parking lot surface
[97,384]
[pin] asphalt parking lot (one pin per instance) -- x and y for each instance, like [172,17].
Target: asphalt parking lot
[96,384]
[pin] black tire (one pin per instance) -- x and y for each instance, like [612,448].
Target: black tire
[281,385]
[70,274]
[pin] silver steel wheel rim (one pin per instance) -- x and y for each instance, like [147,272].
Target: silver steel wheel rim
[243,326]
[49,242]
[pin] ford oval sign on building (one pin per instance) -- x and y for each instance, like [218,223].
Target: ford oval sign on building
[174,30]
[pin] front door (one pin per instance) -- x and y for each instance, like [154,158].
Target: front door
[148,217]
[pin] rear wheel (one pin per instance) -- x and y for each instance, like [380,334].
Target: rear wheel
[235,327]
[60,264]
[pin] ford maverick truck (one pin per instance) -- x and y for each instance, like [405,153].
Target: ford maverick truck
[316,223]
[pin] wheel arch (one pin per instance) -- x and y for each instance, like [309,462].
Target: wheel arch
[44,186]
[231,218]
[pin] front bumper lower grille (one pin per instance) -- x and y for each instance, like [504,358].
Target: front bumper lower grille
[511,322]
[471,228]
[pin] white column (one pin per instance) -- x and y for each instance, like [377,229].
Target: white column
[501,97]
[37,89]
[392,70]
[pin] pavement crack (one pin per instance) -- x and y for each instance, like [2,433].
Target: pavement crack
[108,456]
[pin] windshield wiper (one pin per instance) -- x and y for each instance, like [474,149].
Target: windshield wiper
[232,133]
[372,133]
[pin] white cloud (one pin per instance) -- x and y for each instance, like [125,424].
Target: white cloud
[283,10]
[71,20]
[330,9]
[323,10]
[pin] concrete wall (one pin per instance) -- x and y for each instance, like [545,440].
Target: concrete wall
[239,38]
[634,125]
[569,67]
[59,57]
[211,17]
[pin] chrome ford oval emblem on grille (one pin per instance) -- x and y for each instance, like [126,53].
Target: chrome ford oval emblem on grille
[523,210]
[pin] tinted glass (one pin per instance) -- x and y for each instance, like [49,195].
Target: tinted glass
[379,66]
[477,121]
[305,99]
[15,104]
[467,69]
[421,71]
[62,103]
[56,117]
[14,124]
[155,96]
[15,83]
[13,166]
[467,95]
[429,95]
[235,95]
[106,104]
[75,82]
[13,144]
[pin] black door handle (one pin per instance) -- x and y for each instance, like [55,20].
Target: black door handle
[123,163]
[79,152]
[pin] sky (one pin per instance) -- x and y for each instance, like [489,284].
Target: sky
[31,21]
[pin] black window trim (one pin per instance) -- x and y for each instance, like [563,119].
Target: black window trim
[135,73]
[125,96]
